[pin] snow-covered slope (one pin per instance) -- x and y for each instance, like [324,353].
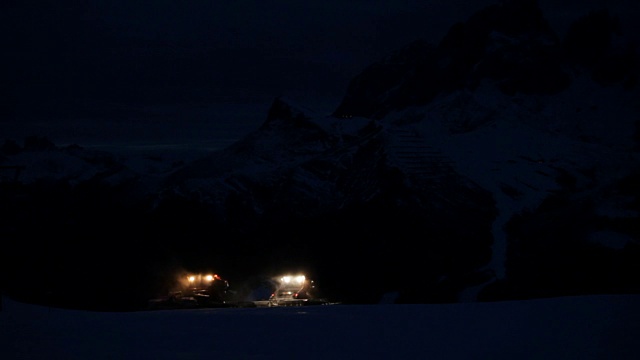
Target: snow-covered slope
[518,153]
[589,327]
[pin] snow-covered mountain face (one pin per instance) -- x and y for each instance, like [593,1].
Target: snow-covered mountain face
[505,155]
[500,163]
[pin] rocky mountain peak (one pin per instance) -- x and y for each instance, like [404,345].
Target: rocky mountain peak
[284,110]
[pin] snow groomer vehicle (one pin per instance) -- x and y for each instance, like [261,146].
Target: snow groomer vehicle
[197,291]
[295,290]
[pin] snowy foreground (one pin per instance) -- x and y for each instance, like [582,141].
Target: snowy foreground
[590,327]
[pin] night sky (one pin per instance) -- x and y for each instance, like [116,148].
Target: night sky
[103,71]
[94,61]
